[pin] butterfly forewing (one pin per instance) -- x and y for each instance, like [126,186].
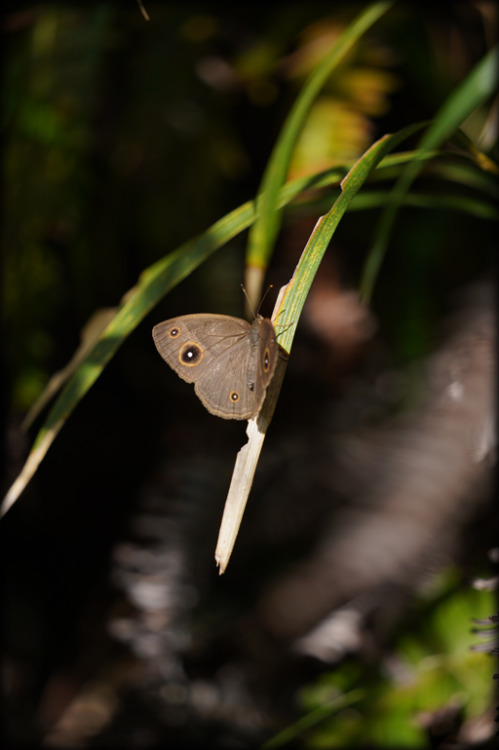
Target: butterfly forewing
[209,335]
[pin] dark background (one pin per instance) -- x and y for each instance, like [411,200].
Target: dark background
[123,138]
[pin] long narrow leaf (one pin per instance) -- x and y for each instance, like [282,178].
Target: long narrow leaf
[293,300]
[479,85]
[264,230]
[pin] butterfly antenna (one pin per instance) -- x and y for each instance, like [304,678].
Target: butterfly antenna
[248,300]
[270,286]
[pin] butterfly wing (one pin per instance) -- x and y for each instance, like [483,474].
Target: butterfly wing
[214,352]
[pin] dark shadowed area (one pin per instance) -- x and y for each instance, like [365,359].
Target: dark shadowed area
[346,615]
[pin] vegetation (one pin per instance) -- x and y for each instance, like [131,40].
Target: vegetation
[137,154]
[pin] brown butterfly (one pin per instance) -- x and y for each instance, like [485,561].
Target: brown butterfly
[230,361]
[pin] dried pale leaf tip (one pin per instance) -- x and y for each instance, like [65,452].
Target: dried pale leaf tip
[240,486]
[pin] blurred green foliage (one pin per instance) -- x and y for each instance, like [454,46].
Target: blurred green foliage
[431,668]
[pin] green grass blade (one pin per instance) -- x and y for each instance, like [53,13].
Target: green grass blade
[465,204]
[296,292]
[474,91]
[265,229]
[313,718]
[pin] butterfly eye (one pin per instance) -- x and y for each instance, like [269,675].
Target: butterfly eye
[190,354]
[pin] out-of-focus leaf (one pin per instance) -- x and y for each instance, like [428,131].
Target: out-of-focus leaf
[474,91]
[296,291]
[89,337]
[264,231]
[437,670]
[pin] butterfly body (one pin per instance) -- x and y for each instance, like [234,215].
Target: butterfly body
[230,361]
